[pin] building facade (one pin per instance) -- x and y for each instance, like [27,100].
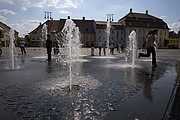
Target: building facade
[173,41]
[6,39]
[86,28]
[116,32]
[94,31]
[142,23]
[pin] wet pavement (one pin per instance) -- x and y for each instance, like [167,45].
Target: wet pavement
[103,87]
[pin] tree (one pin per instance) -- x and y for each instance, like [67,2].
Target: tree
[1,35]
[27,38]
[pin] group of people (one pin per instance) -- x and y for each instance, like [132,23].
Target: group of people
[103,45]
[149,45]
[21,44]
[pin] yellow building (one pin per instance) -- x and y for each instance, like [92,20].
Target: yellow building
[142,23]
[5,30]
[173,41]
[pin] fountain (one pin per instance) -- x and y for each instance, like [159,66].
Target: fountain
[131,48]
[101,89]
[108,30]
[71,37]
[12,63]
[44,35]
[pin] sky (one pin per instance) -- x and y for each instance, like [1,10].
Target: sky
[25,15]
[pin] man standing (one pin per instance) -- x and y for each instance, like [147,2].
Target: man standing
[104,47]
[100,46]
[22,46]
[112,48]
[92,48]
[49,46]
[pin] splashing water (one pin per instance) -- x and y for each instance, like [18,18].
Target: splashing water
[108,30]
[71,37]
[131,48]
[44,35]
[12,63]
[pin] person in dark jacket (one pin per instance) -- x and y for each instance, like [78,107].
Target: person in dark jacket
[49,46]
[92,48]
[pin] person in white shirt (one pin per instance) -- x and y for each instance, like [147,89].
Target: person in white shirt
[150,46]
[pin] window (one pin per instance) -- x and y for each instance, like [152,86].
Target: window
[103,38]
[117,34]
[87,37]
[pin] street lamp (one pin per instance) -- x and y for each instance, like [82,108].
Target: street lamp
[47,15]
[110,17]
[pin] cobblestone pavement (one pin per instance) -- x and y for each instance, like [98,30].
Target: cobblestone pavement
[101,88]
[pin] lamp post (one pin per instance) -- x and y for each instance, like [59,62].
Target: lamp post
[110,17]
[47,15]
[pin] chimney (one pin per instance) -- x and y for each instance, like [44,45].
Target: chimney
[68,17]
[146,11]
[83,18]
[130,10]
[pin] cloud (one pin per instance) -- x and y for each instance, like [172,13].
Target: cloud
[162,17]
[25,4]
[7,12]
[64,3]
[3,19]
[25,27]
[64,12]
[7,1]
[174,26]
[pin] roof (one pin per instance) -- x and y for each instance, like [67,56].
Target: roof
[142,20]
[85,26]
[2,24]
[103,25]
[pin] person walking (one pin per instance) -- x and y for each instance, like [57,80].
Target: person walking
[92,48]
[22,46]
[112,48]
[0,47]
[150,46]
[100,46]
[104,47]
[49,46]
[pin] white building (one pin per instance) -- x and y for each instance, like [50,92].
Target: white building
[116,32]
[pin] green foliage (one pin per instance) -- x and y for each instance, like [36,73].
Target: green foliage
[1,35]
[27,37]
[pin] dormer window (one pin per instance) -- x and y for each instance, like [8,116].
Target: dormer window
[130,23]
[148,25]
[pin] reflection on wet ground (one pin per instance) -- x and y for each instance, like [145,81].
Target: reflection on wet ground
[103,89]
